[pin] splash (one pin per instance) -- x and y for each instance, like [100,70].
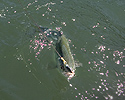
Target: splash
[47,39]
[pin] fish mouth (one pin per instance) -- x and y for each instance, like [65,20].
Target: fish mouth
[69,74]
[67,71]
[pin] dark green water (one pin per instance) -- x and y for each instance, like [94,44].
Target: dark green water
[96,29]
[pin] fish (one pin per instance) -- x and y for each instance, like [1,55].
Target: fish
[66,63]
[65,60]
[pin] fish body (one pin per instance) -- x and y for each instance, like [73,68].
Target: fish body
[63,48]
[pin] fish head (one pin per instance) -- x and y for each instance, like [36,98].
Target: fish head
[68,71]
[69,74]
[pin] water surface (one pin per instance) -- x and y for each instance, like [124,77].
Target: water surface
[96,30]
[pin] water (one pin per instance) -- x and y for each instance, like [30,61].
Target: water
[96,30]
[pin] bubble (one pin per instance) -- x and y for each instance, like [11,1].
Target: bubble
[102,62]
[73,19]
[89,62]
[30,71]
[43,14]
[96,97]
[104,27]
[30,63]
[97,89]
[99,86]
[64,23]
[70,85]
[101,73]
[14,11]
[118,62]
[61,1]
